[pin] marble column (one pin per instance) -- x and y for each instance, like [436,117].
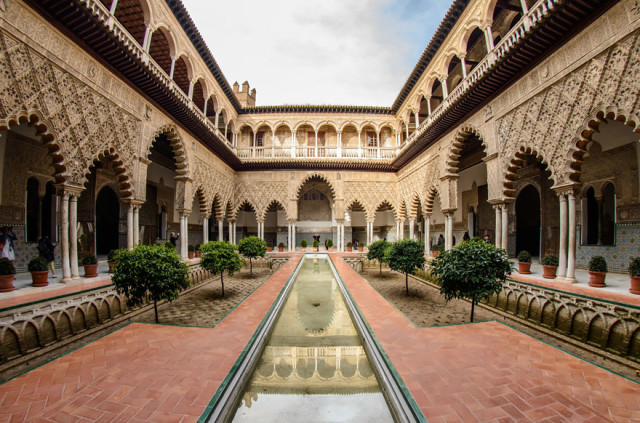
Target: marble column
[289,237]
[230,232]
[205,228]
[130,226]
[184,235]
[220,230]
[235,240]
[293,235]
[64,220]
[448,231]
[136,225]
[427,235]
[498,234]
[411,223]
[571,254]
[73,235]
[505,226]
[562,255]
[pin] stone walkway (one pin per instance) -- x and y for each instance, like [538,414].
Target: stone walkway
[478,372]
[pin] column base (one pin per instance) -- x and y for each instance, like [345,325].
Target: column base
[66,280]
[564,279]
[76,278]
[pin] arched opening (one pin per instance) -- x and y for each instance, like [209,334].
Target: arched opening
[506,14]
[198,95]
[217,215]
[283,137]
[275,222]
[327,137]
[131,15]
[49,212]
[370,137]
[454,73]
[264,140]
[476,49]
[181,75]
[424,109]
[212,110]
[384,222]
[246,224]
[608,223]
[157,215]
[437,94]
[349,141]
[528,221]
[107,220]
[160,49]
[305,141]
[33,210]
[315,211]
[591,217]
[355,227]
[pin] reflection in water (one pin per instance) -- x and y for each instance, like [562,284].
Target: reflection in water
[313,367]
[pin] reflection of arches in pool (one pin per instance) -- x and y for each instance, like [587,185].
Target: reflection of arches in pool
[364,368]
[326,367]
[315,304]
[265,368]
[305,367]
[347,368]
[284,368]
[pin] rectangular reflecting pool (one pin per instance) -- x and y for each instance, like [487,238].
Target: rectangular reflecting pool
[314,367]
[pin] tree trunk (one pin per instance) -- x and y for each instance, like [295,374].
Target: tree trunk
[406,282]
[250,267]
[155,308]
[380,268]
[222,281]
[473,304]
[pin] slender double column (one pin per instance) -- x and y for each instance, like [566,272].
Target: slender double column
[64,221]
[205,228]
[505,226]
[184,234]
[136,224]
[567,251]
[427,235]
[292,236]
[340,236]
[261,229]
[448,230]
[69,235]
[369,232]
[498,237]
[221,230]
[411,227]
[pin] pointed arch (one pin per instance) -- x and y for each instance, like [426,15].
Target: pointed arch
[317,175]
[124,175]
[388,204]
[432,193]
[177,144]
[463,135]
[355,201]
[277,203]
[517,162]
[217,207]
[203,201]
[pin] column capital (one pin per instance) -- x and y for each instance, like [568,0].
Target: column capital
[449,211]
[71,190]
[291,221]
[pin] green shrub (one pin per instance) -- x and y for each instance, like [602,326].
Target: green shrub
[524,256]
[6,267]
[303,243]
[38,264]
[191,248]
[634,267]
[150,271]
[550,260]
[169,245]
[329,243]
[437,247]
[315,243]
[197,247]
[112,255]
[598,264]
[349,244]
[89,259]
[218,256]
[378,250]
[473,270]
[405,256]
[252,247]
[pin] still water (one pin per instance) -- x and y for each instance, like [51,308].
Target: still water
[314,367]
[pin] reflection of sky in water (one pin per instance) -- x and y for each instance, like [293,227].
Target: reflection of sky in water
[368,408]
[314,367]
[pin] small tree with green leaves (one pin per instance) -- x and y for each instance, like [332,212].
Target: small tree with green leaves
[149,271]
[252,247]
[405,256]
[472,270]
[377,251]
[218,256]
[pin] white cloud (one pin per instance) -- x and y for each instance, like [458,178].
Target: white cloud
[317,52]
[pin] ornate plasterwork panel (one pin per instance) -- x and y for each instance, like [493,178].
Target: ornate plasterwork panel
[78,124]
[260,195]
[371,194]
[550,124]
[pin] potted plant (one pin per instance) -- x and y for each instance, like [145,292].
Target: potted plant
[281,247]
[111,260]
[524,262]
[198,253]
[191,251]
[597,271]
[329,244]
[549,266]
[315,245]
[634,273]
[90,264]
[435,249]
[349,246]
[269,247]
[39,269]
[303,245]
[7,274]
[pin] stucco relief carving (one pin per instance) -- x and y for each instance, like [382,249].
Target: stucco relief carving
[561,110]
[82,123]
[371,195]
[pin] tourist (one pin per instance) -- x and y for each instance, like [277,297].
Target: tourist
[173,238]
[466,237]
[441,240]
[6,242]
[487,238]
[45,248]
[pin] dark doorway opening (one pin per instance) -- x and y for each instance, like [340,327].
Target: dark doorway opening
[528,221]
[107,220]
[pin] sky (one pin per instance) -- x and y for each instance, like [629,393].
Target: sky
[339,52]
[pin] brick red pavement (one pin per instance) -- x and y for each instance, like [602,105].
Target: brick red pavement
[142,372]
[491,373]
[480,372]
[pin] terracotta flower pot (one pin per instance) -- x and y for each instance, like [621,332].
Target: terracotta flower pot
[549,272]
[198,254]
[191,254]
[635,285]
[349,249]
[6,283]
[596,279]
[330,248]
[524,268]
[434,253]
[112,266]
[90,270]
[303,249]
[269,249]
[40,278]
[280,249]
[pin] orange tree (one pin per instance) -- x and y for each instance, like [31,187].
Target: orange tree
[218,257]
[405,256]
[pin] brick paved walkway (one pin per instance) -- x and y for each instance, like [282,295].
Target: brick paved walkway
[480,372]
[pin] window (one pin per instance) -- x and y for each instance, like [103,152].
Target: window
[260,139]
[372,140]
[599,216]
